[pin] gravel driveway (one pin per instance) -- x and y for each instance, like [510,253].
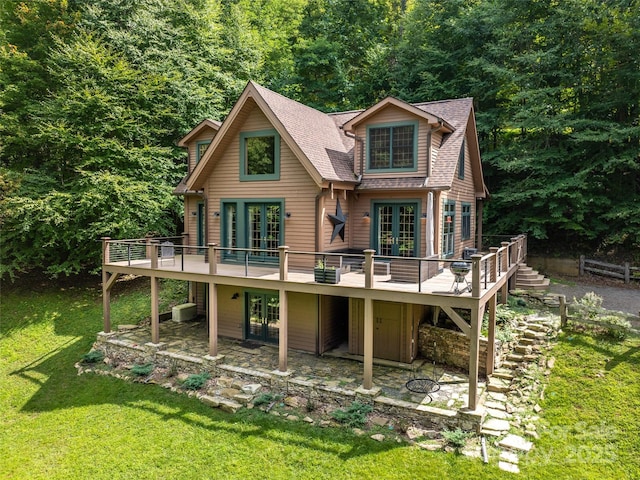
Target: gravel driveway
[620,298]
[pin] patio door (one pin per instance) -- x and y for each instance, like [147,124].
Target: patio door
[262,316]
[395,229]
[263,230]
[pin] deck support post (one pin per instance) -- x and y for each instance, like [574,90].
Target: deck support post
[213,319]
[475,275]
[368,344]
[155,318]
[473,356]
[213,261]
[106,290]
[284,262]
[491,334]
[283,332]
[368,268]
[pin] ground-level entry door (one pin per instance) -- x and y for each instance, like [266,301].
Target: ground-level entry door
[262,316]
[395,229]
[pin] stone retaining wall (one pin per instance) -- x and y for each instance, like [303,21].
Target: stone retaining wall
[119,353]
[450,347]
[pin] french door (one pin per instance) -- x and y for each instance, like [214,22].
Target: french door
[263,230]
[262,316]
[396,229]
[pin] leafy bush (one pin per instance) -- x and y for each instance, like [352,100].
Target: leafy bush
[456,438]
[142,370]
[195,381]
[353,416]
[265,399]
[94,356]
[615,326]
[589,306]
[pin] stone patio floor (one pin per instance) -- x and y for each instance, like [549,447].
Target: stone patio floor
[330,369]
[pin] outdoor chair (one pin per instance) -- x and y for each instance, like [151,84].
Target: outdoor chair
[167,252]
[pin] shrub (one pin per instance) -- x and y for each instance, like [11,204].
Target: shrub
[265,399]
[615,326]
[455,438]
[94,356]
[142,370]
[353,416]
[195,381]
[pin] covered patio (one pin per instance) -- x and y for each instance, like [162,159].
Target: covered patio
[333,376]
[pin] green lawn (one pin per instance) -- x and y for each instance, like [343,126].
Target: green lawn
[56,424]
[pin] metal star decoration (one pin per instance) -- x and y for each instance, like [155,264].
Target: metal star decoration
[338,220]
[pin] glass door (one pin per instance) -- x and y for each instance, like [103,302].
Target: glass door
[396,229]
[263,231]
[262,316]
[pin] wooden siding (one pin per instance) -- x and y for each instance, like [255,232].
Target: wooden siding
[295,186]
[393,114]
[191,217]
[462,191]
[303,321]
[206,135]
[334,322]
[230,312]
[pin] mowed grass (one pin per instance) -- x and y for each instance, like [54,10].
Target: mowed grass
[56,424]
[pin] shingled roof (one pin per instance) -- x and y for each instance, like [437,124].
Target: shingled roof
[324,148]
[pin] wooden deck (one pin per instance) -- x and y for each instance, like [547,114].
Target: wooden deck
[441,284]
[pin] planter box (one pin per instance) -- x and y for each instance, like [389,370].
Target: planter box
[326,275]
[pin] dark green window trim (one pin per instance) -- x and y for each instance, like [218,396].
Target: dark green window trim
[245,139]
[201,147]
[466,221]
[238,207]
[390,164]
[416,203]
[448,228]
[461,162]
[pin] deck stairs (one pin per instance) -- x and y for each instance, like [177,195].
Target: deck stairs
[529,279]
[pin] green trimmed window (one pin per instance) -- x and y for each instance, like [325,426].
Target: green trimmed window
[260,155]
[448,228]
[466,221]
[201,147]
[254,224]
[392,146]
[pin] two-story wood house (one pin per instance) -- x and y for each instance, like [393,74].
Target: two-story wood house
[402,179]
[280,197]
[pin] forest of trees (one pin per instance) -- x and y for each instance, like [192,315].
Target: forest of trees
[94,95]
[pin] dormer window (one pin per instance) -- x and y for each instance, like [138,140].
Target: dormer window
[260,155]
[392,147]
[201,147]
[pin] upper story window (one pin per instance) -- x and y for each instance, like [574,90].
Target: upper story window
[461,162]
[201,147]
[260,155]
[466,221]
[392,146]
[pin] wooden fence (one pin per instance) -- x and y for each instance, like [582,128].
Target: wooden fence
[567,315]
[625,272]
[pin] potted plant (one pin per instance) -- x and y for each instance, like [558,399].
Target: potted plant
[325,274]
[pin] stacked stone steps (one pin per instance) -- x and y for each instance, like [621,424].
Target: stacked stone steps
[503,383]
[529,279]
